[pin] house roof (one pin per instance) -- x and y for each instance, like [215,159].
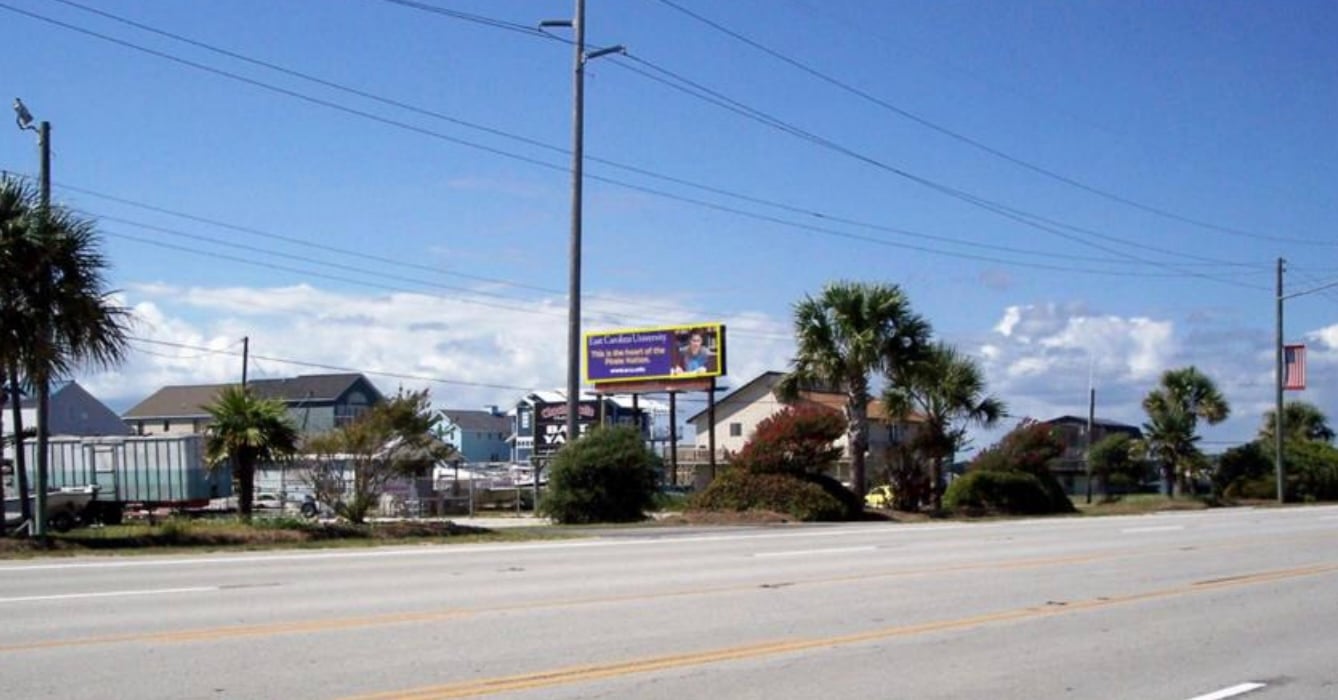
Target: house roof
[560,396]
[479,421]
[188,401]
[1102,422]
[30,398]
[768,378]
[309,387]
[829,399]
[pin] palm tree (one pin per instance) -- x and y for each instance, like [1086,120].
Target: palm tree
[947,390]
[1300,421]
[55,313]
[1174,408]
[849,332]
[244,431]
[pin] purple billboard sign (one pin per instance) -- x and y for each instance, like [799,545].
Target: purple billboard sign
[671,353]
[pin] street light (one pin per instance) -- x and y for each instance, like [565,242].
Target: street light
[580,56]
[24,119]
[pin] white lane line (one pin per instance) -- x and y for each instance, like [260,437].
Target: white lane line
[1231,692]
[807,552]
[106,594]
[1159,528]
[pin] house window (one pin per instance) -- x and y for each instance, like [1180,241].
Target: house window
[736,429]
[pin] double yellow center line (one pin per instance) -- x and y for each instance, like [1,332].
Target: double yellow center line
[589,673]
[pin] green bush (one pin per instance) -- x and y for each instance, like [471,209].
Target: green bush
[1004,491]
[806,498]
[606,476]
[1311,470]
[1259,488]
[1239,467]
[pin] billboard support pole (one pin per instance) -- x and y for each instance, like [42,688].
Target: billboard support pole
[673,437]
[710,408]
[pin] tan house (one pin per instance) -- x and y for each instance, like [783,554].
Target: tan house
[738,413]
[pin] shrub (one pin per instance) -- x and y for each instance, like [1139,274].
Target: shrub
[796,441]
[1311,470]
[1019,478]
[1030,447]
[606,476]
[998,491]
[807,498]
[1239,468]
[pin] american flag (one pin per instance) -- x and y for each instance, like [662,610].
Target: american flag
[1293,367]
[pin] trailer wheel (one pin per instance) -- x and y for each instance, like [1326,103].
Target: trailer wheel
[309,510]
[109,514]
[62,521]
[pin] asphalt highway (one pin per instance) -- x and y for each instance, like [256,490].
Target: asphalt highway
[1204,606]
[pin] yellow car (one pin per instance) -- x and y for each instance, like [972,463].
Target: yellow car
[879,497]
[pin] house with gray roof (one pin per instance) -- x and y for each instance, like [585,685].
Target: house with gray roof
[479,436]
[316,403]
[73,411]
[1071,466]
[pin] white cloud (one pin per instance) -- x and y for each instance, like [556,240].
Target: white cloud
[1038,358]
[492,350]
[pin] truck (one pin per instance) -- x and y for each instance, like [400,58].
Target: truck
[155,471]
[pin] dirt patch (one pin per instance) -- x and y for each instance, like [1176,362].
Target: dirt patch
[712,517]
[176,534]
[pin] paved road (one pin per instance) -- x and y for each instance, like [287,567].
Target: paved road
[1228,603]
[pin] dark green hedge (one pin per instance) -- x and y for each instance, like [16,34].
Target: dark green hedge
[1006,492]
[806,498]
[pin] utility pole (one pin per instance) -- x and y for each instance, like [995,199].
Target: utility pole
[246,356]
[24,119]
[43,381]
[579,58]
[1091,423]
[1277,410]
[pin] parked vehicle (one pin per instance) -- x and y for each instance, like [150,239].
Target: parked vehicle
[65,507]
[879,497]
[134,472]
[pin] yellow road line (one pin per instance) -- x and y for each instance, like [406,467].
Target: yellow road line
[337,624]
[218,633]
[589,673]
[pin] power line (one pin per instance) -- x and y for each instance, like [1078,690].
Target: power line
[337,368]
[1028,219]
[539,144]
[356,270]
[958,136]
[1025,218]
[185,357]
[533,161]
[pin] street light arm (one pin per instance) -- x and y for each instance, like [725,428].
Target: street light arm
[592,55]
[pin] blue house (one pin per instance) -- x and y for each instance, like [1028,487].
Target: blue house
[479,436]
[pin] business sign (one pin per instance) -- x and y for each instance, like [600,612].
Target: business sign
[642,354]
[550,424]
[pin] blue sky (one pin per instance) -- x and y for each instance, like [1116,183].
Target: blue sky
[431,241]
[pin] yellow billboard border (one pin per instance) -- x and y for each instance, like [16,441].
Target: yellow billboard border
[720,365]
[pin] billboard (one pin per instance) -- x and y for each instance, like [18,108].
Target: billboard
[665,353]
[550,424]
